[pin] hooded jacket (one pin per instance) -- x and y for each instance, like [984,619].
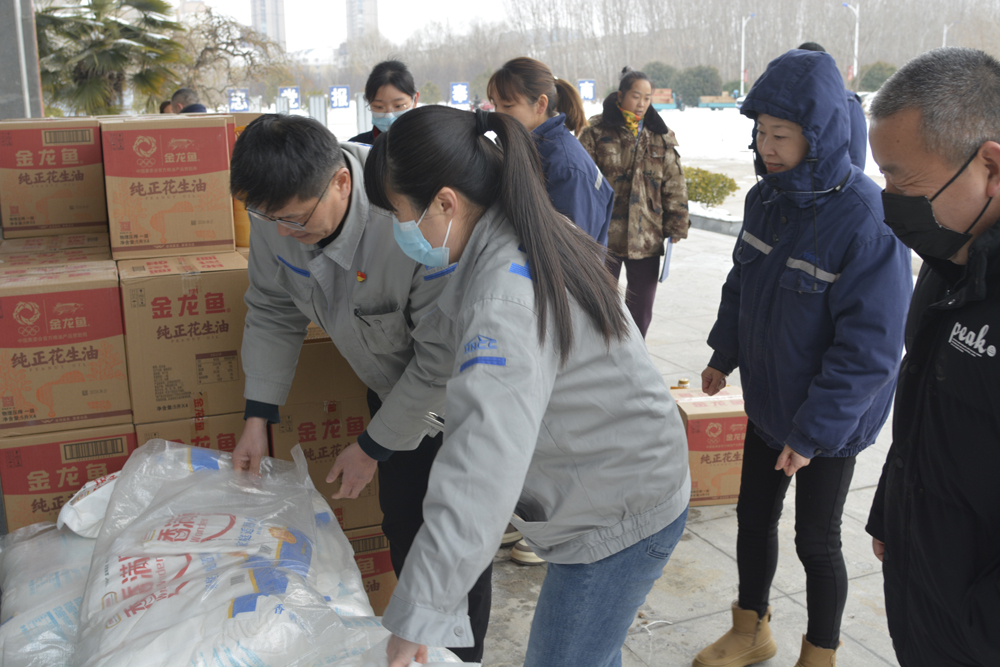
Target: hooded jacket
[651,203]
[812,311]
[575,185]
[936,507]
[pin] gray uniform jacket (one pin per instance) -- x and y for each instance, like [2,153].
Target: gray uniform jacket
[370,321]
[597,444]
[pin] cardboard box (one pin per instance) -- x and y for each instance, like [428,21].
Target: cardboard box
[324,430]
[371,553]
[663,96]
[322,374]
[168,186]
[62,351]
[10,264]
[241,219]
[40,473]
[184,319]
[54,243]
[220,432]
[51,178]
[716,428]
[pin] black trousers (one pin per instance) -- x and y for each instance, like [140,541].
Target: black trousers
[402,486]
[820,493]
[643,276]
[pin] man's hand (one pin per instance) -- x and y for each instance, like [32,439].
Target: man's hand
[252,446]
[712,381]
[790,461]
[878,546]
[401,652]
[358,469]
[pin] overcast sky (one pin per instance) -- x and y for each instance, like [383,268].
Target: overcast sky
[315,24]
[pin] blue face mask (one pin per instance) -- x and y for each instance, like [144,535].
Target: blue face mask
[383,120]
[416,247]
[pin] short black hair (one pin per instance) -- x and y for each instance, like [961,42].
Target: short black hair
[278,158]
[185,96]
[811,46]
[164,104]
[389,73]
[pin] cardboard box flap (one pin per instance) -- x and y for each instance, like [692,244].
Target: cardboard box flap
[132,269]
[78,275]
[694,403]
[55,243]
[85,265]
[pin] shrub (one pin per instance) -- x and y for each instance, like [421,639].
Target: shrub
[661,74]
[430,93]
[694,82]
[875,75]
[707,187]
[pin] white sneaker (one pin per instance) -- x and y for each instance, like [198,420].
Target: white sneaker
[523,555]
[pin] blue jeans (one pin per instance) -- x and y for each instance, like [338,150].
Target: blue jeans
[584,611]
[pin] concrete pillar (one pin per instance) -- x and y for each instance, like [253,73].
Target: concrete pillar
[12,84]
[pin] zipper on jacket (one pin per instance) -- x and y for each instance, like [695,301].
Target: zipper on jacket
[357,314]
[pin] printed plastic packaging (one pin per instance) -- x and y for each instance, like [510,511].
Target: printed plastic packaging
[196,564]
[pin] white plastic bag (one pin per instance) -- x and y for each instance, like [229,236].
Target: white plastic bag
[197,564]
[84,513]
[43,572]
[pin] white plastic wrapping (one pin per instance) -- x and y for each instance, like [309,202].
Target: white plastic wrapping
[196,564]
[84,513]
[43,572]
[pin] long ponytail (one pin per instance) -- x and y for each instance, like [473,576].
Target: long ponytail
[571,104]
[434,147]
[530,79]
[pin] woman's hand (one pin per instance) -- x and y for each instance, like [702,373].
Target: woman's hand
[401,652]
[712,381]
[790,461]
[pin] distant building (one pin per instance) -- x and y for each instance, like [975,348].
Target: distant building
[362,19]
[268,18]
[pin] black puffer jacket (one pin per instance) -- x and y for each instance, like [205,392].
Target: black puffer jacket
[937,507]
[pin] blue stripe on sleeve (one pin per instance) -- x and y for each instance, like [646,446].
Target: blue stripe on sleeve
[301,272]
[490,361]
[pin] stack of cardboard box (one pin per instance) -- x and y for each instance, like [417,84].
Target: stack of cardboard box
[65,415]
[99,356]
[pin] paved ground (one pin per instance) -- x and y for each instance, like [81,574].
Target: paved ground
[689,606]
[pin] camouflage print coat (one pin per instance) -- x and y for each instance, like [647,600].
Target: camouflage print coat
[651,201]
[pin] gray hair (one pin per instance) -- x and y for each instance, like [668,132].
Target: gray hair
[957,91]
[185,97]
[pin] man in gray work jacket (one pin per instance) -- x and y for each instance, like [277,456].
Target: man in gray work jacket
[319,252]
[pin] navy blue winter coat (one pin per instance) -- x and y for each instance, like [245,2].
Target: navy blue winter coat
[815,325]
[575,185]
[859,131]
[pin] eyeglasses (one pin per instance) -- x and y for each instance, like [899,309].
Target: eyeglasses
[291,224]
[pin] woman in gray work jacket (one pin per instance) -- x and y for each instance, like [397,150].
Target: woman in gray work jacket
[553,405]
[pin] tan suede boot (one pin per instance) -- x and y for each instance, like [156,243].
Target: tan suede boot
[814,656]
[748,642]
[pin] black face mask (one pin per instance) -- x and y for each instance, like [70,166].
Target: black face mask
[912,221]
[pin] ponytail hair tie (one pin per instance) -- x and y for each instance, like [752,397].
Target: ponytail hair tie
[482,121]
